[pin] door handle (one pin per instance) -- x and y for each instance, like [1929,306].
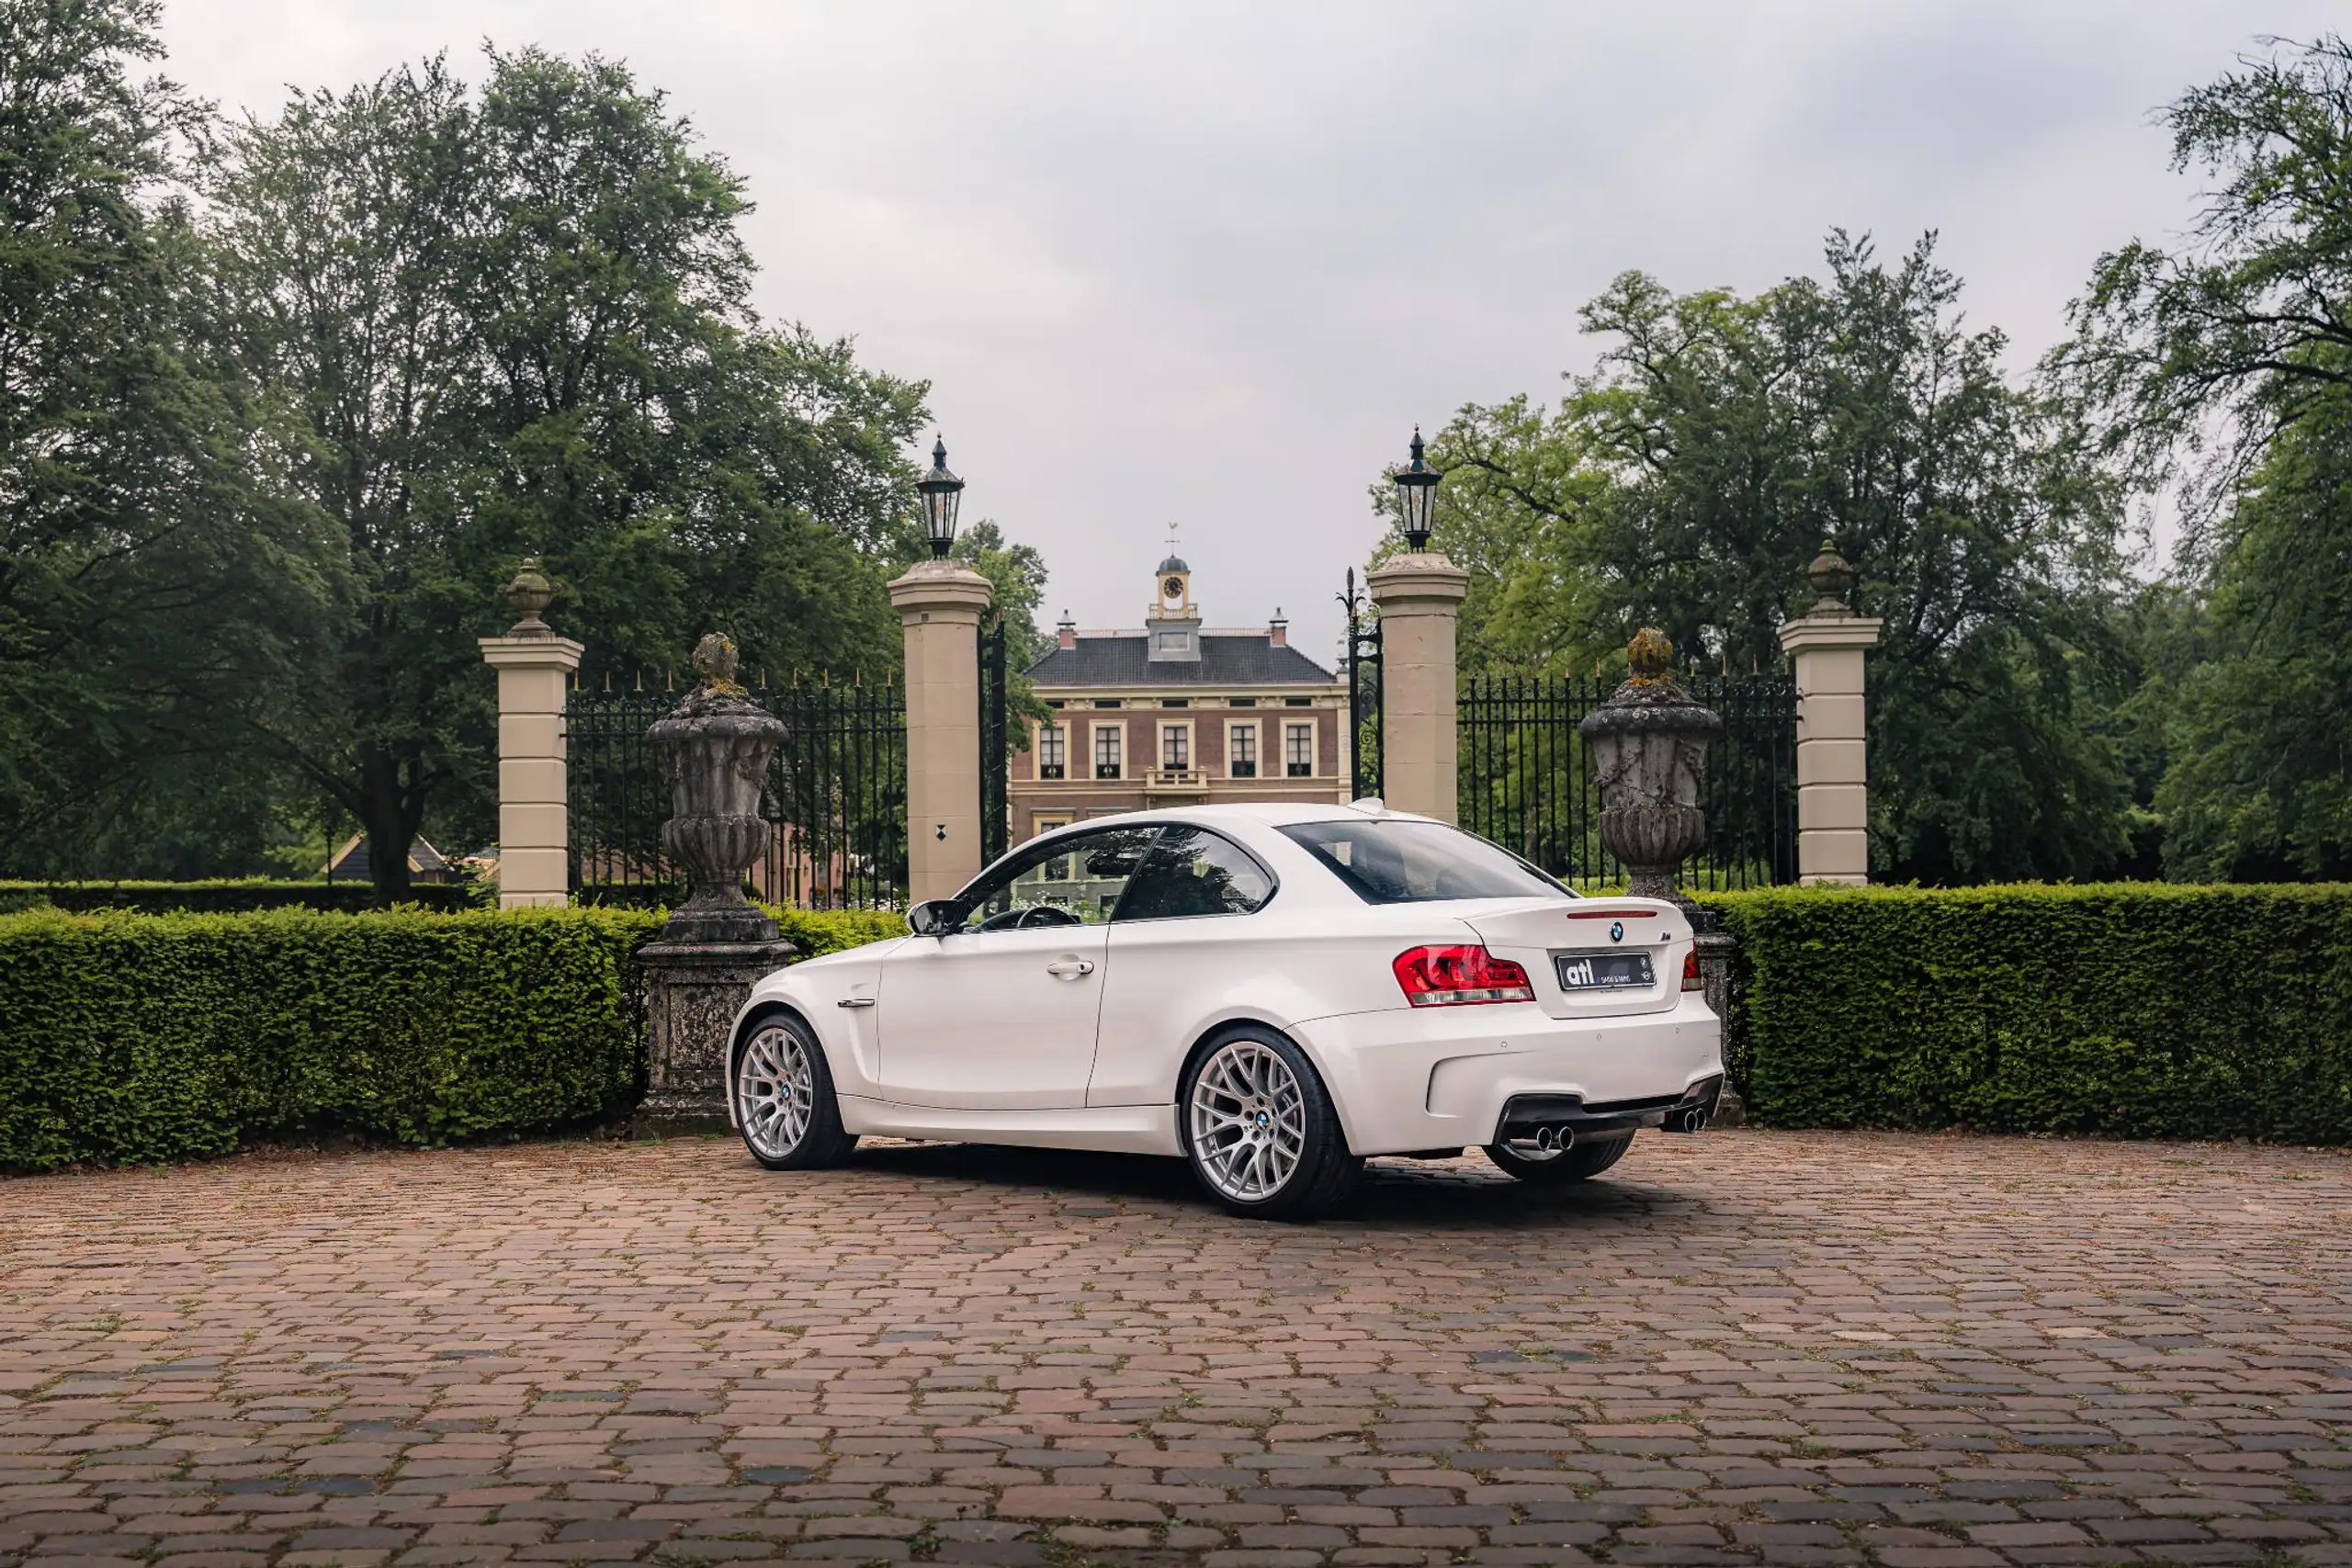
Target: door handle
[1069,968]
[855,1002]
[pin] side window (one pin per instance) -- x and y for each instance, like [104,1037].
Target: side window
[1193,871]
[1063,882]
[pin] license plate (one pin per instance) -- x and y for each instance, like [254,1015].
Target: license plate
[1602,971]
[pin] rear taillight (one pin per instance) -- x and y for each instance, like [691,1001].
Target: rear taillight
[1690,981]
[1458,977]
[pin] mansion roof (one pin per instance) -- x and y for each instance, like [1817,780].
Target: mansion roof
[1226,658]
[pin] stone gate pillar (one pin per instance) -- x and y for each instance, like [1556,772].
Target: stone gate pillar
[1828,644]
[534,667]
[1420,598]
[939,604]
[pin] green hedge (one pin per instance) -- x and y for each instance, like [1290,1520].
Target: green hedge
[128,1037]
[221,898]
[2138,1010]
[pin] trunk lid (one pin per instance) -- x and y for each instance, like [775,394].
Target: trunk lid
[1591,941]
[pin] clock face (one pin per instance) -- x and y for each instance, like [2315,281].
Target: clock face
[1172,589]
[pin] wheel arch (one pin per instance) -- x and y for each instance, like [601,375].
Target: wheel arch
[759,1008]
[1214,1033]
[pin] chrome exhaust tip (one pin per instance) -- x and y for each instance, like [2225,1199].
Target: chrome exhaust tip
[1690,1120]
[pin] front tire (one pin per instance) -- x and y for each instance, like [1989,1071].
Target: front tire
[784,1104]
[1259,1130]
[1581,1162]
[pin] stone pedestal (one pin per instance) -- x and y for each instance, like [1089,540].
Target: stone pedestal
[1420,603]
[939,604]
[1716,951]
[693,990]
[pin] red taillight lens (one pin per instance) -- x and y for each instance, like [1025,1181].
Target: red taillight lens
[1690,981]
[1458,977]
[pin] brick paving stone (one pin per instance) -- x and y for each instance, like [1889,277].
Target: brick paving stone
[1779,1349]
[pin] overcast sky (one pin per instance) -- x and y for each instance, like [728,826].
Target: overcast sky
[1207,264]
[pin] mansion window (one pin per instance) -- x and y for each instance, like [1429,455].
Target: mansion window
[1052,752]
[1176,748]
[1298,750]
[1241,751]
[1106,752]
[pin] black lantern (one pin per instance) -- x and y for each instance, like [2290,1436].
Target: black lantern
[941,493]
[1415,495]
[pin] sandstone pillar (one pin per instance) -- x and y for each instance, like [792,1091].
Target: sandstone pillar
[939,604]
[1828,644]
[535,668]
[1420,598]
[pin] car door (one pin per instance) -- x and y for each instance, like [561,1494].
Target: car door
[1000,1013]
[1180,938]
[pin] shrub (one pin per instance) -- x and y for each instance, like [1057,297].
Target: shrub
[831,930]
[130,1037]
[224,897]
[2140,1011]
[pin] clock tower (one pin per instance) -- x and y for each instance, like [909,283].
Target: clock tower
[1174,622]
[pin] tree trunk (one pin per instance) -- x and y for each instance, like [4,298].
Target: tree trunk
[389,823]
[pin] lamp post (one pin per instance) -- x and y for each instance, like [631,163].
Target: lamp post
[1416,496]
[942,492]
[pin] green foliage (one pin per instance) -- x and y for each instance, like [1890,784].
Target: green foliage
[224,896]
[2134,1010]
[819,931]
[131,1038]
[518,320]
[1687,483]
[2223,373]
[157,586]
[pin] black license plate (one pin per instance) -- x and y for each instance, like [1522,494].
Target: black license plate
[1602,971]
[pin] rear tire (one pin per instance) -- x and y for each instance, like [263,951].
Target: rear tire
[1586,1159]
[1259,1129]
[784,1105]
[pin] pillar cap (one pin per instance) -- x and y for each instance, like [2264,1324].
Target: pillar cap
[531,652]
[941,585]
[1426,577]
[1815,632]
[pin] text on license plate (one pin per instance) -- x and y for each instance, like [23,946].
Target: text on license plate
[1602,971]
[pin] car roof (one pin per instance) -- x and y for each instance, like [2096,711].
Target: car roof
[1267,813]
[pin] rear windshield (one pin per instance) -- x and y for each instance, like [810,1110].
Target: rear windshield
[1411,862]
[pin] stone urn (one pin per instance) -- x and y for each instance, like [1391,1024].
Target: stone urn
[714,748]
[1649,744]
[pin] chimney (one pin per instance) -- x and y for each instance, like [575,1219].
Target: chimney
[1065,631]
[1278,629]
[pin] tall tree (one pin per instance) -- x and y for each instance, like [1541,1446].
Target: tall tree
[156,588]
[2223,372]
[516,322]
[1687,482]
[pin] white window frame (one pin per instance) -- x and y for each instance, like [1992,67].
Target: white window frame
[1037,748]
[1256,731]
[1171,726]
[1291,727]
[1094,748]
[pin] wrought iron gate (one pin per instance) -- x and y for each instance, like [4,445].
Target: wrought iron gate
[836,792]
[1365,736]
[1527,783]
[996,743]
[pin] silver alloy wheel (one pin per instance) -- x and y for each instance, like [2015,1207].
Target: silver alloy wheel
[1247,1120]
[775,1092]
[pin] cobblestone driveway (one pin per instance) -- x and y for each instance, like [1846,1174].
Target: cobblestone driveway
[1743,1348]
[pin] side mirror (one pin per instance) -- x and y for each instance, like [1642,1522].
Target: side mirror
[937,917]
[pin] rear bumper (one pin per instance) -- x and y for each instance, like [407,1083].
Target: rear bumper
[1412,1078]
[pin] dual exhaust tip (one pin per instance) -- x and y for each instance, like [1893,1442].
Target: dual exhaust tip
[1562,1137]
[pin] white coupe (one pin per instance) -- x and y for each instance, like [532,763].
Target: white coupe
[1271,993]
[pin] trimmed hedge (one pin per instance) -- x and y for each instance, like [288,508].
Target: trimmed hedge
[132,1037]
[129,1038]
[2134,1010]
[224,897]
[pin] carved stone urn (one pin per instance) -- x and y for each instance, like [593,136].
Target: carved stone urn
[1649,744]
[714,748]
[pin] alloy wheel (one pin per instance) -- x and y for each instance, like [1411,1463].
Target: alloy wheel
[1248,1119]
[775,1092]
